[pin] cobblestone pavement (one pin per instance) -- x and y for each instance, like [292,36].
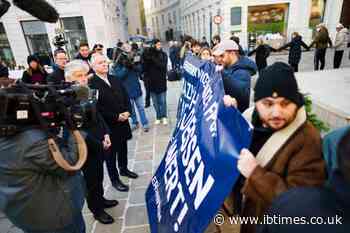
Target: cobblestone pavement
[145,152]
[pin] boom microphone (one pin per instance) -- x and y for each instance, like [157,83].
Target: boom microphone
[39,9]
[4,7]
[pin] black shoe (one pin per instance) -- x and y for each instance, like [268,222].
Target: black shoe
[128,173]
[109,203]
[118,185]
[147,105]
[104,218]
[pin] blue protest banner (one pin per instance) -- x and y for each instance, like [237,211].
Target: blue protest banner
[199,168]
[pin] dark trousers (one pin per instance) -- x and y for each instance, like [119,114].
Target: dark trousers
[320,57]
[120,149]
[295,67]
[93,174]
[338,56]
[148,93]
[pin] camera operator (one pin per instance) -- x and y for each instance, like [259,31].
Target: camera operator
[57,76]
[97,141]
[36,194]
[128,70]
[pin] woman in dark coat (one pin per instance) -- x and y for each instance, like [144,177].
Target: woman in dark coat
[35,74]
[295,50]
[262,53]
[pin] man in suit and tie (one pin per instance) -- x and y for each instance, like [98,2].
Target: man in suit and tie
[114,105]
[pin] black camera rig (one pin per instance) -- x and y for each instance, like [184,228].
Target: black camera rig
[25,106]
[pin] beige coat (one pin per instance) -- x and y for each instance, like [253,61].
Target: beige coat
[292,157]
[341,40]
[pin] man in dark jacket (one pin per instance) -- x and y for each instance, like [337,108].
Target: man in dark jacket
[114,105]
[285,152]
[155,70]
[57,76]
[262,52]
[97,140]
[237,72]
[325,209]
[36,194]
[295,50]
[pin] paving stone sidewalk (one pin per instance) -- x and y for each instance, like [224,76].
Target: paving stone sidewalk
[145,153]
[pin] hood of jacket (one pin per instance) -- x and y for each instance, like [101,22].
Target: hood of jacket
[243,63]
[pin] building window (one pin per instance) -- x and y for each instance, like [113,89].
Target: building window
[174,17]
[153,23]
[169,18]
[317,12]
[265,19]
[6,55]
[37,40]
[74,30]
[236,16]
[163,20]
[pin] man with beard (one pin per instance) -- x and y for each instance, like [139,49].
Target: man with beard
[329,203]
[285,152]
[237,72]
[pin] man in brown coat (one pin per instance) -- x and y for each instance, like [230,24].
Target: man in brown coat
[285,152]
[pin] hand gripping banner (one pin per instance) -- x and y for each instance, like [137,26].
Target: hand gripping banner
[199,167]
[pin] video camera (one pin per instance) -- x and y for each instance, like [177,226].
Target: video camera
[59,41]
[123,58]
[25,106]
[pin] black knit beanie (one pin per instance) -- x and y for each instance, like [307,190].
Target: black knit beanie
[278,80]
[31,58]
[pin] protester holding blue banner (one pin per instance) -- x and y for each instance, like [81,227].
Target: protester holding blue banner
[330,203]
[285,151]
[237,72]
[199,167]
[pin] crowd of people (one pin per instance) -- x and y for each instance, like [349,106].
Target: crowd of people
[285,163]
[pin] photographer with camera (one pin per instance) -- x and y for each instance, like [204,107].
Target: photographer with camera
[155,74]
[40,189]
[98,141]
[128,70]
